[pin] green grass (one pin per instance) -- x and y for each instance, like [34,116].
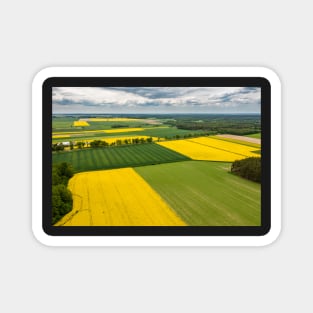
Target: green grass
[108,125]
[258,135]
[95,136]
[62,123]
[161,132]
[116,157]
[166,132]
[241,142]
[205,193]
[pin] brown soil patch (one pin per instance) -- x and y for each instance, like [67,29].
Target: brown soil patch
[243,138]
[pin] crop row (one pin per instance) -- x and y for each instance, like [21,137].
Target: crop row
[209,149]
[116,198]
[117,157]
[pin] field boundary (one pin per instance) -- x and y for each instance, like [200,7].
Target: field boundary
[215,147]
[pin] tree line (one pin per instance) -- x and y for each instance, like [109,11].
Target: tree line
[243,129]
[101,143]
[249,168]
[231,124]
[61,200]
[119,142]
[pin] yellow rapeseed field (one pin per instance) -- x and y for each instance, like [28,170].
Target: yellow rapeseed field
[60,136]
[109,140]
[113,119]
[197,150]
[120,130]
[243,150]
[118,197]
[123,130]
[80,123]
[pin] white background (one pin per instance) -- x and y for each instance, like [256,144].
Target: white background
[37,34]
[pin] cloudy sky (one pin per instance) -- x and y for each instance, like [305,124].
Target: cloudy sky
[156,100]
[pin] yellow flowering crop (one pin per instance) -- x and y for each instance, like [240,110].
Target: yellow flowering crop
[118,197]
[200,149]
[80,123]
[109,140]
[123,130]
[119,130]
[113,119]
[114,139]
[243,150]
[60,136]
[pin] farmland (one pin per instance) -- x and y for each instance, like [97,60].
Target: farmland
[117,157]
[239,149]
[156,170]
[113,119]
[257,135]
[108,139]
[251,142]
[199,152]
[116,198]
[159,131]
[205,193]
[67,124]
[205,148]
[80,124]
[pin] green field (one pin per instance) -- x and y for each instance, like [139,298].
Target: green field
[161,132]
[258,136]
[117,157]
[205,193]
[60,123]
[167,132]
[64,124]
[200,192]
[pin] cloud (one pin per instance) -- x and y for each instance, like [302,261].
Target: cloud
[156,99]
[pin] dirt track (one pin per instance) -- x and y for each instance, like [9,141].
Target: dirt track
[243,138]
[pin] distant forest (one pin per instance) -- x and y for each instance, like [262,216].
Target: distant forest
[224,124]
[236,124]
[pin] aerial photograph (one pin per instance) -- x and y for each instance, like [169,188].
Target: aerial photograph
[156,156]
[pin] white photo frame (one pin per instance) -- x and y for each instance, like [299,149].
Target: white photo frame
[37,169]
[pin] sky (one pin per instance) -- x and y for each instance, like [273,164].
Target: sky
[115,100]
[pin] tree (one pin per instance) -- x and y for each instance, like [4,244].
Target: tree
[61,202]
[249,168]
[58,147]
[61,197]
[96,144]
[80,144]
